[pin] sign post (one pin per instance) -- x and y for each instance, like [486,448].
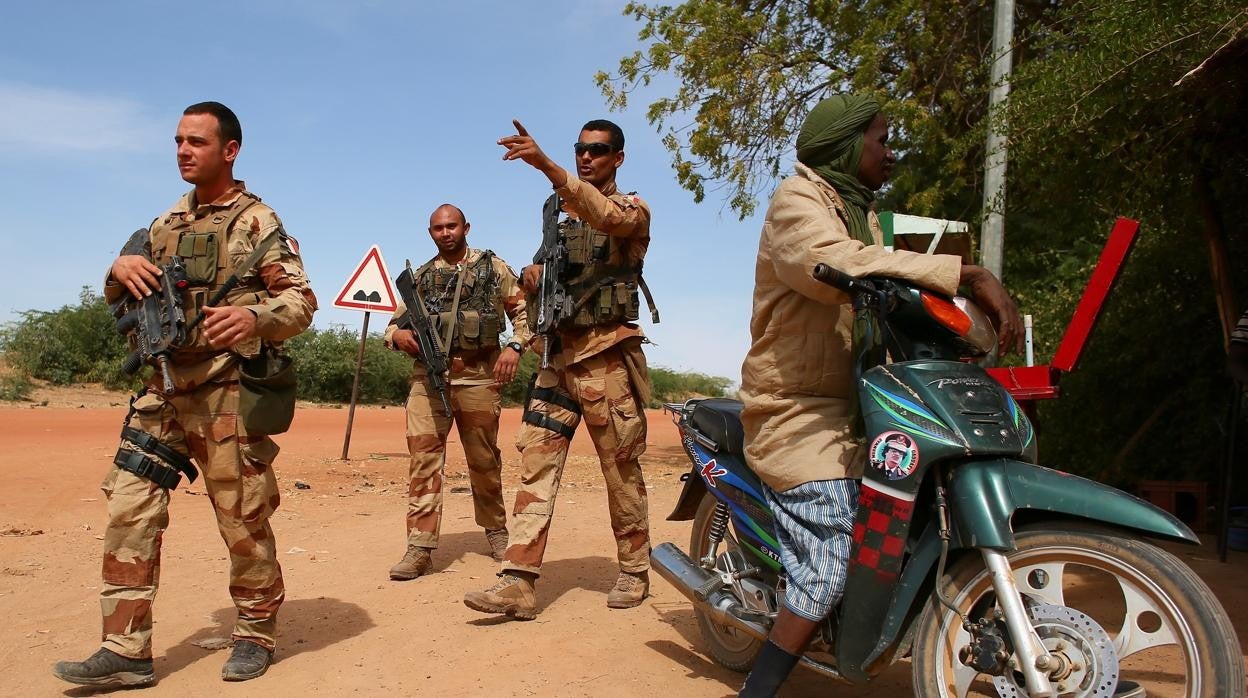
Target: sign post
[369,289]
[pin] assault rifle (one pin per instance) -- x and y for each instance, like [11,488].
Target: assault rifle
[417,320]
[159,318]
[554,304]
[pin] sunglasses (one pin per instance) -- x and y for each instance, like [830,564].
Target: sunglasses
[594,149]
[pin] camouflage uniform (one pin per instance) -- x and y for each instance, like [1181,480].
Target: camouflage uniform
[201,420]
[475,407]
[601,372]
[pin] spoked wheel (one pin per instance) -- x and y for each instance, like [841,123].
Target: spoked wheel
[728,646]
[1102,604]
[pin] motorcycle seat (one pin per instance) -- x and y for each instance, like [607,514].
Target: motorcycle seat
[719,419]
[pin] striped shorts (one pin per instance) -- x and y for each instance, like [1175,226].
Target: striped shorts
[815,529]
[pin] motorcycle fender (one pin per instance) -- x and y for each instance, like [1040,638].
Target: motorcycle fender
[690,497]
[985,494]
[860,654]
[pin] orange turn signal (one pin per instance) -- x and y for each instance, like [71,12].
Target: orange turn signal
[946,313]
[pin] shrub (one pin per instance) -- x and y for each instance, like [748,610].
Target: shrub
[77,343]
[15,387]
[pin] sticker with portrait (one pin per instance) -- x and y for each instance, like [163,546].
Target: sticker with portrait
[895,454]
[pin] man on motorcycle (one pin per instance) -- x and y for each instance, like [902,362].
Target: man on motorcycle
[797,384]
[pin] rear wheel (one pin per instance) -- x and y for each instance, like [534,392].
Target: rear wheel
[728,646]
[1091,592]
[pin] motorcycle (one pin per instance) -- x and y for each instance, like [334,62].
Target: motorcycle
[995,575]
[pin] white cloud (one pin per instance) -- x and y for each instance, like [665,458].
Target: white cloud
[49,120]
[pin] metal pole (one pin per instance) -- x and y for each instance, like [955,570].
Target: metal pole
[992,237]
[355,386]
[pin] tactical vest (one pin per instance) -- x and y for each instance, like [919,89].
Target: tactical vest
[477,318]
[203,245]
[598,277]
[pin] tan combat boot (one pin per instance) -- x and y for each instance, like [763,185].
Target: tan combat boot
[414,563]
[629,591]
[498,543]
[513,596]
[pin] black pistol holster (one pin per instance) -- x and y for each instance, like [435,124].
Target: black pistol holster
[141,463]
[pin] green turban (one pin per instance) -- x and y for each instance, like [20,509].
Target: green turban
[831,142]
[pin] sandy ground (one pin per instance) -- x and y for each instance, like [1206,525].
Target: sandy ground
[345,628]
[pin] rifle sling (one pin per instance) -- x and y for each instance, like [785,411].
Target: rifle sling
[450,326]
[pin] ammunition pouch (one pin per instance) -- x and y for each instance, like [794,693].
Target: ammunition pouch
[609,302]
[602,292]
[476,314]
[267,386]
[166,474]
[200,252]
[474,331]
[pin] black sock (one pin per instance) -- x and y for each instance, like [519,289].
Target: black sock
[770,670]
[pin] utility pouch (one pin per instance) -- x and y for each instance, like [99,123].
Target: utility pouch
[469,330]
[267,389]
[598,246]
[626,298]
[199,254]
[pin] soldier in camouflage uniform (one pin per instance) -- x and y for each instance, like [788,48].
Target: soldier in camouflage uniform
[466,292]
[214,228]
[596,372]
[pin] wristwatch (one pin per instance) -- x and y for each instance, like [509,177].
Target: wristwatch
[517,346]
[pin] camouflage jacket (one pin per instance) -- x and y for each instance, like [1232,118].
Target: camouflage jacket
[276,289]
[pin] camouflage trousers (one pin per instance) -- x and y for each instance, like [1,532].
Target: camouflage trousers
[238,477]
[475,409]
[602,391]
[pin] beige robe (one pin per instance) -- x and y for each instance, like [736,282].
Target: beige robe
[797,381]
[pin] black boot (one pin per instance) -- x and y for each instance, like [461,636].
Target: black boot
[106,668]
[770,670]
[247,661]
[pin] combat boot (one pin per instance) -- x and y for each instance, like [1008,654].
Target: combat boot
[629,590]
[498,543]
[512,596]
[248,660]
[414,563]
[106,668]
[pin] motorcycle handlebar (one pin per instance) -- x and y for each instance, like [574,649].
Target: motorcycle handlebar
[835,278]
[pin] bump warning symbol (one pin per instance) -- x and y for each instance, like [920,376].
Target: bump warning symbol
[369,287]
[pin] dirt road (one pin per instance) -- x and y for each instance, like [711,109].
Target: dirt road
[345,628]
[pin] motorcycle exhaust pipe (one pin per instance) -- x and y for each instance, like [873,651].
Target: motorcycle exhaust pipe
[704,589]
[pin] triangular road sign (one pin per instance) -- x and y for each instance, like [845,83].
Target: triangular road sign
[369,288]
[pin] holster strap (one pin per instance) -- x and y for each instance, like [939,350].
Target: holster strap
[544,421]
[147,467]
[150,444]
[554,397]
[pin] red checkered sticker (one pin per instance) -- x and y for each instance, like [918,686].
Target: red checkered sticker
[879,531]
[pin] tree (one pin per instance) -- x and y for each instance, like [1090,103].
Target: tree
[1098,129]
[749,71]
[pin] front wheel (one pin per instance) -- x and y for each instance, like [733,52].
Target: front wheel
[1084,583]
[729,647]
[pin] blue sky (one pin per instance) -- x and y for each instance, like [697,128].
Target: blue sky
[359,118]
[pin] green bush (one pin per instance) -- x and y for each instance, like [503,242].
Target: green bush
[79,343]
[671,386]
[325,363]
[75,344]
[15,387]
